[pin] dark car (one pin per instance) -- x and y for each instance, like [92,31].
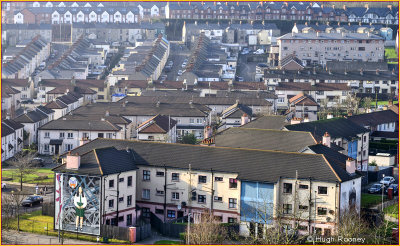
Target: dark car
[29,201]
[375,188]
[29,101]
[395,189]
[37,162]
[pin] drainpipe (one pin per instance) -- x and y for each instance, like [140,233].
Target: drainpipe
[337,206]
[118,199]
[309,210]
[212,192]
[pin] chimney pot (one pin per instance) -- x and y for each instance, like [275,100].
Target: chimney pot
[326,140]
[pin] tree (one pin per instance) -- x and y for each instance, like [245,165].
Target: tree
[10,205]
[23,163]
[189,139]
[351,104]
[366,102]
[208,231]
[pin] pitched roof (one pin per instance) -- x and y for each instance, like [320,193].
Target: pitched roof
[375,118]
[276,122]
[56,104]
[15,82]
[336,127]
[5,130]
[157,124]
[30,117]
[249,138]
[298,86]
[85,125]
[237,111]
[13,124]
[252,165]
[302,99]
[44,109]
[103,161]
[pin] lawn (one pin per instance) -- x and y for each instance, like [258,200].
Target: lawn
[167,242]
[383,103]
[392,211]
[37,223]
[390,53]
[370,200]
[39,176]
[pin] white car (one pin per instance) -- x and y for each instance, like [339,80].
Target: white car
[3,185]
[180,72]
[184,64]
[387,180]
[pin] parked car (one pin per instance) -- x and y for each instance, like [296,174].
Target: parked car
[28,101]
[180,72]
[375,188]
[395,188]
[170,63]
[240,79]
[387,180]
[32,200]
[3,185]
[184,64]
[37,161]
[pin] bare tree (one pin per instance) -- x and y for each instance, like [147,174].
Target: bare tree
[10,205]
[23,163]
[208,231]
[366,102]
[351,104]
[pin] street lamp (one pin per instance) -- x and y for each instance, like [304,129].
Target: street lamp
[383,187]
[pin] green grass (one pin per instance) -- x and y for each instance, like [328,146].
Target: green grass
[37,223]
[39,176]
[392,211]
[165,242]
[370,200]
[383,103]
[390,53]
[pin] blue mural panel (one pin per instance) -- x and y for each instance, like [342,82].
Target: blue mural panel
[352,149]
[256,202]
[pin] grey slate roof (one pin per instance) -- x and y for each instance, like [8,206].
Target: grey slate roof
[5,130]
[252,165]
[248,138]
[13,124]
[338,36]
[375,118]
[336,127]
[30,117]
[276,122]
[82,124]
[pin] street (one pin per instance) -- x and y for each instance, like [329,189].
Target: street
[178,54]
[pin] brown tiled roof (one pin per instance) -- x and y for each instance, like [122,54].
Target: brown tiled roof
[297,86]
[57,104]
[159,124]
[83,83]
[15,82]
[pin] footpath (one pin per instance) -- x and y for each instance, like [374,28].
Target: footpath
[14,237]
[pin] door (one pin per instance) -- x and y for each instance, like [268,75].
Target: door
[180,214]
[57,149]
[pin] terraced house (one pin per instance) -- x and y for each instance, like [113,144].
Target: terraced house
[307,191]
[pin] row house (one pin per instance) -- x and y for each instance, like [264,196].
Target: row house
[362,81]
[12,34]
[348,137]
[91,90]
[229,188]
[64,104]
[32,120]
[159,128]
[329,94]
[25,86]
[22,61]
[318,48]
[10,100]
[235,116]
[148,10]
[12,135]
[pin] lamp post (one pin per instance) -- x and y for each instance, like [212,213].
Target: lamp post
[383,187]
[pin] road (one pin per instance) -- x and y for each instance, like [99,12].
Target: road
[178,54]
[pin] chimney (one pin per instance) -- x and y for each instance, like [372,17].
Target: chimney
[8,116]
[317,34]
[333,6]
[390,7]
[207,132]
[306,23]
[329,116]
[73,81]
[245,119]
[377,72]
[158,104]
[366,6]
[73,161]
[361,71]
[83,141]
[344,7]
[326,140]
[195,22]
[350,165]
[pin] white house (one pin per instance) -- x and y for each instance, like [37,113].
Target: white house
[11,138]
[160,128]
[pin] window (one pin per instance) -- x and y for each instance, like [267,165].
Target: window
[47,134]
[201,198]
[159,211]
[129,200]
[146,175]
[175,176]
[160,174]
[191,121]
[287,188]
[62,135]
[202,179]
[146,194]
[287,208]
[68,147]
[129,181]
[232,220]
[219,179]
[110,183]
[111,203]
[303,186]
[109,135]
[120,218]
[70,135]
[218,198]
[365,138]
[322,190]
[159,192]
[232,183]
[121,199]
[322,211]
[100,135]
[175,195]
[146,212]
[121,180]
[129,220]
[303,207]
[170,213]
[232,202]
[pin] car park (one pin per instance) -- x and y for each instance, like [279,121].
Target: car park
[387,180]
[375,188]
[29,201]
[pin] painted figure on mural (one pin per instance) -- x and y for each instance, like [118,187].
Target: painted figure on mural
[80,203]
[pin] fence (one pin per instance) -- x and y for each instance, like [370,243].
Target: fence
[48,209]
[27,225]
[122,233]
